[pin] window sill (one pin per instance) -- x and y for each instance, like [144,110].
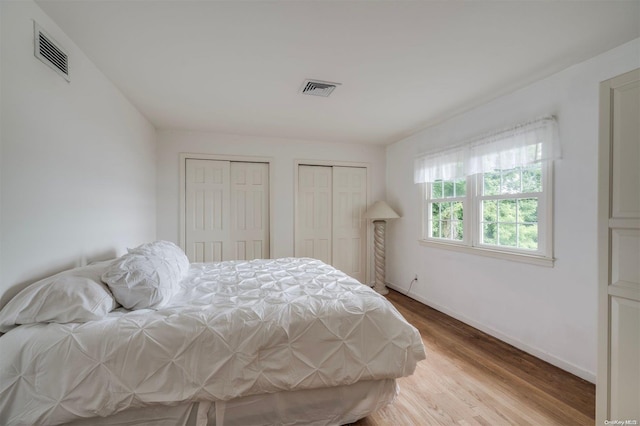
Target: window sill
[496,254]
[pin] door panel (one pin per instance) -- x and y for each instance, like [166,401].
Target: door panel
[250,210]
[349,228]
[207,210]
[313,216]
[626,154]
[625,253]
[625,359]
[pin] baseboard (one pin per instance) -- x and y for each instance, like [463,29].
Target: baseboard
[545,356]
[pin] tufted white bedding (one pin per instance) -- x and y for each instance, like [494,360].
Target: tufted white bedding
[234,329]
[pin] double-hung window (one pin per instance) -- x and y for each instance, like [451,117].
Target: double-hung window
[493,195]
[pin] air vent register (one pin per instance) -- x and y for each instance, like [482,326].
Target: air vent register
[50,52]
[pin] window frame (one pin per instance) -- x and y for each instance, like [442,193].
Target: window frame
[472,228]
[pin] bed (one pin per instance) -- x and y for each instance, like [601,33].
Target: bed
[278,341]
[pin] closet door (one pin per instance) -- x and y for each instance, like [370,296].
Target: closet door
[249,216]
[349,228]
[207,230]
[314,213]
[329,226]
[618,387]
[226,210]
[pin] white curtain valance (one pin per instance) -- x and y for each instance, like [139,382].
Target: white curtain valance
[521,145]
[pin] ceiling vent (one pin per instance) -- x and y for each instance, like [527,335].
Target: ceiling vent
[318,87]
[49,51]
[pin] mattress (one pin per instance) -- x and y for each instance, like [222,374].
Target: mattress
[235,329]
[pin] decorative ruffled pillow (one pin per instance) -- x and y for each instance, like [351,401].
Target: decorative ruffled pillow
[169,252]
[147,276]
[76,295]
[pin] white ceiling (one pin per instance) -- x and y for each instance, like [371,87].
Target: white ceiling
[237,66]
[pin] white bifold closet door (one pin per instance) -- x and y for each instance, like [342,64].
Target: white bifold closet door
[226,210]
[329,225]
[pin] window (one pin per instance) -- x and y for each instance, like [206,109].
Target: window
[508,203]
[446,204]
[492,198]
[503,209]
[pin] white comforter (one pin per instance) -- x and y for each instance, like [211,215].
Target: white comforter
[235,329]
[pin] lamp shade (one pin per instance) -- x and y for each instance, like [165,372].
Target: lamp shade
[380,210]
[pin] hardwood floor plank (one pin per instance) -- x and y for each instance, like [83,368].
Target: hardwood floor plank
[471,378]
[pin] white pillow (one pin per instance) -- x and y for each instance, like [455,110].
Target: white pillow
[148,276]
[76,295]
[93,271]
[169,252]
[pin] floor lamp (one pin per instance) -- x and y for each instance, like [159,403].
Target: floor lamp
[379,212]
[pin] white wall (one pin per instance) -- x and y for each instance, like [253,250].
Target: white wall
[77,171]
[549,312]
[283,151]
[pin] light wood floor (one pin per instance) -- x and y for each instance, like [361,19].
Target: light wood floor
[471,378]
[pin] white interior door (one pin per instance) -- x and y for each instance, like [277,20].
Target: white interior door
[314,213]
[329,224]
[207,210]
[349,228]
[249,216]
[226,210]
[618,387]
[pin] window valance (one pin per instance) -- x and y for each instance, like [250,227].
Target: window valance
[520,145]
